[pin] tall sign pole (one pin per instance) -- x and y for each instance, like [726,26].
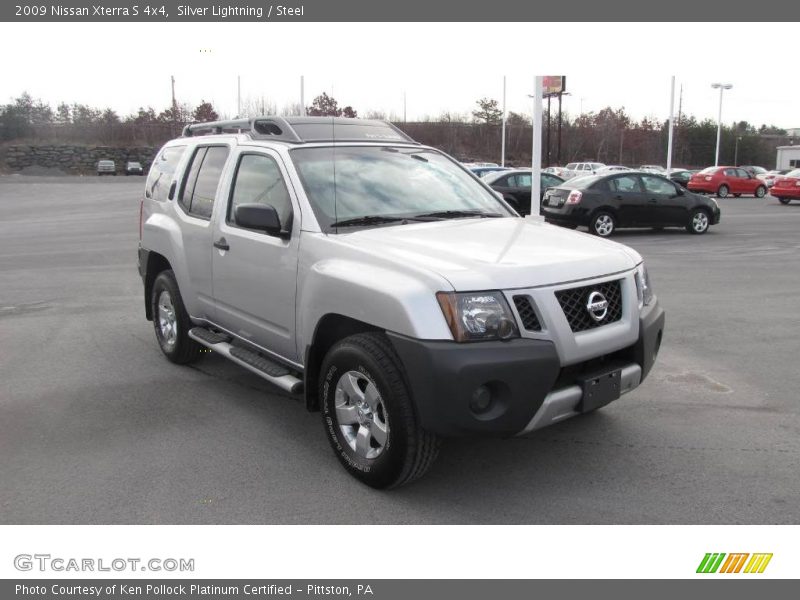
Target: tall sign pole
[536,146]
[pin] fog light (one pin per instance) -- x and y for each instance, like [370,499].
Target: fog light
[481,400]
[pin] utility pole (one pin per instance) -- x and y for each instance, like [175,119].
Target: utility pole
[503,128]
[238,96]
[302,95]
[174,103]
[669,133]
[404,106]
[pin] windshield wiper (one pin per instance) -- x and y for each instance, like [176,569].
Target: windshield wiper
[455,214]
[374,220]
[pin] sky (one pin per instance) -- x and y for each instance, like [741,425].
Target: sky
[437,67]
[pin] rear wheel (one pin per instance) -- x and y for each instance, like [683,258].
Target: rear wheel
[602,224]
[171,321]
[698,222]
[368,415]
[761,191]
[723,191]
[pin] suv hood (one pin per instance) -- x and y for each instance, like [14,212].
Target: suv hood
[496,253]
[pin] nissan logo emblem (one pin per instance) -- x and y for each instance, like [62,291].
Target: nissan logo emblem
[597,306]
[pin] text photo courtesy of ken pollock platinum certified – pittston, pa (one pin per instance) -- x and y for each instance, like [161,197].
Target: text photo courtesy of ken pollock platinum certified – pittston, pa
[238,288]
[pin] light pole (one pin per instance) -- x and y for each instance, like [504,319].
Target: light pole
[721,87]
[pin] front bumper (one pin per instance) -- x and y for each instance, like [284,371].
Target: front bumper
[529,387]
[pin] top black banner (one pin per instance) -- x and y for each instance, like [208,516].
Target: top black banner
[399,11]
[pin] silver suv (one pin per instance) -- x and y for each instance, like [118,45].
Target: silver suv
[341,260]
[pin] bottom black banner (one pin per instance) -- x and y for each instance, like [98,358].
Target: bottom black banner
[392,589]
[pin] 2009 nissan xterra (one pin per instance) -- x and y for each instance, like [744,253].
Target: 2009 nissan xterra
[341,260]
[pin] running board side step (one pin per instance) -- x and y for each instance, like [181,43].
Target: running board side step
[265,368]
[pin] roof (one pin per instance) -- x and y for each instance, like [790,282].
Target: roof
[299,130]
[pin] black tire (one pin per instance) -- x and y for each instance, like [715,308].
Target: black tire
[784,200]
[761,191]
[182,349]
[408,450]
[602,224]
[723,191]
[699,221]
[737,195]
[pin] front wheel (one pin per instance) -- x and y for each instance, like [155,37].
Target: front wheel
[368,415]
[784,200]
[602,224]
[761,191]
[698,222]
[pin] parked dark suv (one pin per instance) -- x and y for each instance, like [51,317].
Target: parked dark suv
[606,202]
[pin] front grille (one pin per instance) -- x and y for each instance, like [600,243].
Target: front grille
[573,302]
[526,313]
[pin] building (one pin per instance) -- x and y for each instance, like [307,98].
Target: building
[788,157]
[794,132]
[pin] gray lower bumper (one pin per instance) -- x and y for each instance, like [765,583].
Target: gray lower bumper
[563,404]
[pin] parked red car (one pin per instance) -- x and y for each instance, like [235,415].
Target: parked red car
[724,181]
[787,188]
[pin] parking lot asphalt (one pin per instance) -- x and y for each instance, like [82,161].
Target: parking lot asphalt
[97,427]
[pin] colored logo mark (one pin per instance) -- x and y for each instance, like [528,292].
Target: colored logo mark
[719,562]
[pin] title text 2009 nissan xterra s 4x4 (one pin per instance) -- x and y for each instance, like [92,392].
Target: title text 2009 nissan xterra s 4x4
[341,260]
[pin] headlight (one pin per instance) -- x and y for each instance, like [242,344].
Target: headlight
[474,316]
[644,290]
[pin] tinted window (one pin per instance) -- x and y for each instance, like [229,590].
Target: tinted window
[185,197]
[626,183]
[200,187]
[259,181]
[656,185]
[523,180]
[161,172]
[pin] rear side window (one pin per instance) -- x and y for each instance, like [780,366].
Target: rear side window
[626,183]
[656,185]
[201,183]
[730,172]
[258,180]
[161,172]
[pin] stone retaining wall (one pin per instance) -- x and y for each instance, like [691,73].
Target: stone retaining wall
[72,158]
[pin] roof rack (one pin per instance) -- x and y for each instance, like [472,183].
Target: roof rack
[300,130]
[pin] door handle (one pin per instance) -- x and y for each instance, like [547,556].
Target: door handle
[221,244]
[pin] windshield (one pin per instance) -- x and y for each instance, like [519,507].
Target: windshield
[795,173]
[758,170]
[352,182]
[571,166]
[709,170]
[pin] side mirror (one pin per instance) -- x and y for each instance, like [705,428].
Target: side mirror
[262,217]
